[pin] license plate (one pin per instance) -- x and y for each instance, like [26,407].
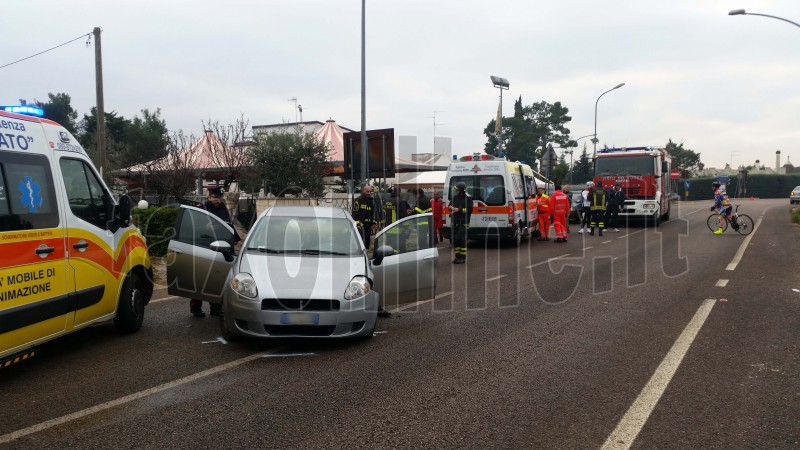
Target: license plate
[299,319]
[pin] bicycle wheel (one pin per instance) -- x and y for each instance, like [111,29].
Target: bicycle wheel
[745,224]
[713,224]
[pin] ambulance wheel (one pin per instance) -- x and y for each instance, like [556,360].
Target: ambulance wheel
[130,309]
[225,326]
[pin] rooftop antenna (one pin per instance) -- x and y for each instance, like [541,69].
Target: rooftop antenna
[434,129]
[300,108]
[294,99]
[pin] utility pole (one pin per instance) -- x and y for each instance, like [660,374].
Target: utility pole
[434,130]
[364,147]
[100,135]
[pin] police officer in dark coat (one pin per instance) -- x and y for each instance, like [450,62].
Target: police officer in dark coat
[364,214]
[460,211]
[217,207]
[616,204]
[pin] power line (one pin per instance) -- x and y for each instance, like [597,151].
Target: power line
[49,49]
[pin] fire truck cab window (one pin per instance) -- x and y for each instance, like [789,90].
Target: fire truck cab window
[630,165]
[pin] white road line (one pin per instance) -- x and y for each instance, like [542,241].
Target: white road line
[605,242]
[495,278]
[286,355]
[14,435]
[587,248]
[546,261]
[629,234]
[696,210]
[721,283]
[739,253]
[171,297]
[632,422]
[421,302]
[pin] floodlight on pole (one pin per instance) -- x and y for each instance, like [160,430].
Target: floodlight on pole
[501,84]
[594,136]
[742,12]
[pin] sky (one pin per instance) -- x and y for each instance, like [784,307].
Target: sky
[725,86]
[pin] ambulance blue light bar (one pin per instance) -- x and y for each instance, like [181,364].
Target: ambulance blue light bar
[24,109]
[622,149]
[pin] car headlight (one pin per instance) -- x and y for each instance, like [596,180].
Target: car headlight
[649,205]
[244,285]
[358,287]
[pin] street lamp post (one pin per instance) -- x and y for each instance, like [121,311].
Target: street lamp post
[364,148]
[572,150]
[741,12]
[501,84]
[594,136]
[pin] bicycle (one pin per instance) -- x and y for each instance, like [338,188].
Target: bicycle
[742,223]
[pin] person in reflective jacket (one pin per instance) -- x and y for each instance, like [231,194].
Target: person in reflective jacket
[364,214]
[460,211]
[598,209]
[559,205]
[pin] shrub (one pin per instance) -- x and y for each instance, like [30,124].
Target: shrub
[796,215]
[157,226]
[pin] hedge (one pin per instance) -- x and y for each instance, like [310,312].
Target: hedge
[157,226]
[759,186]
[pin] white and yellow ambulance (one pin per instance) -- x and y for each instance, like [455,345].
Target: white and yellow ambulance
[501,193]
[70,255]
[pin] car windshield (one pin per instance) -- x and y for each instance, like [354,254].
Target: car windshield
[624,165]
[304,235]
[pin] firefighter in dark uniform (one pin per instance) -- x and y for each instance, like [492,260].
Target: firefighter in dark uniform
[364,214]
[460,212]
[395,208]
[217,207]
[423,206]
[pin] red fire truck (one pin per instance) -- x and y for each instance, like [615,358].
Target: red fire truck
[644,173]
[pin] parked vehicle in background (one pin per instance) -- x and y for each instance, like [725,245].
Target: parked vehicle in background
[502,194]
[575,209]
[794,196]
[643,173]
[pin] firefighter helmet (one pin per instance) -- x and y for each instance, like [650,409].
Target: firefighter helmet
[460,186]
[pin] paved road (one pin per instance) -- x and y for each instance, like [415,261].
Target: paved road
[626,340]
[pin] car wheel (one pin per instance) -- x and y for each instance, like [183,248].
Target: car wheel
[226,326]
[130,308]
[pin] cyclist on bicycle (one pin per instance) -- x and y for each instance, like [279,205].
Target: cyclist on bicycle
[724,207]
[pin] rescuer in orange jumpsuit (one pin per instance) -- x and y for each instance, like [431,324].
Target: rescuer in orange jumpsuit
[559,205]
[543,207]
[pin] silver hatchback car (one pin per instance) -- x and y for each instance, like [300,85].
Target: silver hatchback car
[301,272]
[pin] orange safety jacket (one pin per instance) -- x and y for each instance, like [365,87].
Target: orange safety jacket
[559,203]
[543,203]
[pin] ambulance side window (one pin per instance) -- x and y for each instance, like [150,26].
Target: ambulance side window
[26,193]
[87,198]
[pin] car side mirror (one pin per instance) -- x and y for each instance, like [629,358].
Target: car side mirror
[381,252]
[224,248]
[664,167]
[121,213]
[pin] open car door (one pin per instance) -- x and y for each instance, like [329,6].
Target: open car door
[408,272]
[194,270]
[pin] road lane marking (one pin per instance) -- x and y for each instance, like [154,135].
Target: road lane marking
[634,419]
[587,248]
[546,261]
[14,435]
[721,283]
[630,234]
[605,242]
[171,297]
[696,210]
[219,340]
[286,355]
[495,278]
[739,253]
[421,302]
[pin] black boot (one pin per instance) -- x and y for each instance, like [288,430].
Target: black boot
[591,231]
[601,232]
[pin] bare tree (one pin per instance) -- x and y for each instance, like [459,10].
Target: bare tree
[173,174]
[228,151]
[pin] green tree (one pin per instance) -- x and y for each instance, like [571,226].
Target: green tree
[146,139]
[116,128]
[583,170]
[561,171]
[290,162]
[57,108]
[684,159]
[529,130]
